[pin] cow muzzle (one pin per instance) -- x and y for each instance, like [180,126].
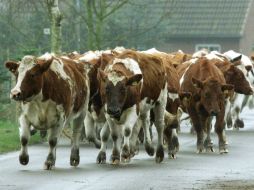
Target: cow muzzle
[214,113]
[114,112]
[15,95]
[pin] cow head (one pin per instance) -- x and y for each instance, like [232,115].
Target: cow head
[211,94]
[235,76]
[28,74]
[114,88]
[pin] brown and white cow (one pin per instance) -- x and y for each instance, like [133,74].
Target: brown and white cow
[52,91]
[95,120]
[204,85]
[173,111]
[131,85]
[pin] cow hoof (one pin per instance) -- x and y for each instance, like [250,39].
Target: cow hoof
[149,149]
[23,159]
[74,161]
[239,123]
[159,154]
[101,158]
[133,152]
[224,151]
[115,159]
[172,156]
[200,150]
[74,158]
[125,155]
[49,165]
[209,149]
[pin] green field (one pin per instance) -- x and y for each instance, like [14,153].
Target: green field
[9,137]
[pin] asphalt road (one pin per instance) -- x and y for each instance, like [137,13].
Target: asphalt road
[234,170]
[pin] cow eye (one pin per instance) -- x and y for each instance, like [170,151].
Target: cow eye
[32,75]
[207,95]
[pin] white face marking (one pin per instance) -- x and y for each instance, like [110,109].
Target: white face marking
[173,96]
[114,78]
[130,64]
[26,64]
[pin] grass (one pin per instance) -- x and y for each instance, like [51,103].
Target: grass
[9,137]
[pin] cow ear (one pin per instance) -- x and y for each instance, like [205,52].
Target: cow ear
[197,83]
[101,75]
[227,89]
[12,66]
[252,57]
[134,80]
[185,98]
[237,61]
[43,65]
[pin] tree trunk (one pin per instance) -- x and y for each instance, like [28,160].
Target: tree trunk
[55,19]
[90,25]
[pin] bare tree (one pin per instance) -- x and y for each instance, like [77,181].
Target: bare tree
[55,19]
[96,14]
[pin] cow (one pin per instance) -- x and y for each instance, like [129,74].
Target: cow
[131,85]
[173,111]
[52,91]
[239,100]
[203,90]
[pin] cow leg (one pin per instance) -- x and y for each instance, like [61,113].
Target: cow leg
[173,143]
[90,129]
[198,128]
[24,133]
[134,140]
[228,117]
[219,128]
[104,135]
[159,111]
[208,141]
[147,133]
[116,137]
[76,133]
[238,122]
[53,135]
[130,121]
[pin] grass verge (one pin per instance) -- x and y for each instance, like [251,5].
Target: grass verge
[9,137]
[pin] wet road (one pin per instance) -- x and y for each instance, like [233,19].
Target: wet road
[234,170]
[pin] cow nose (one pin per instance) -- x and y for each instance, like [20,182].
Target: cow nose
[115,112]
[15,94]
[214,113]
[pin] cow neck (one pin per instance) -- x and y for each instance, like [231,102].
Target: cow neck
[56,89]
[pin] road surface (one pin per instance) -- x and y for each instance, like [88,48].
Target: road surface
[234,170]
